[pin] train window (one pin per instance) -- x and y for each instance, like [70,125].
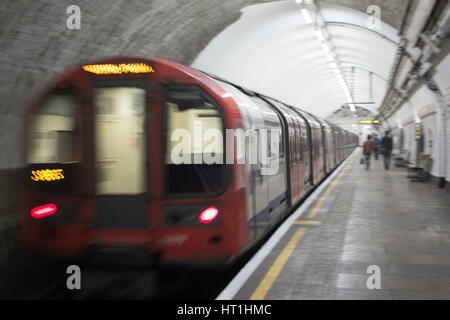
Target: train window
[55,132]
[194,140]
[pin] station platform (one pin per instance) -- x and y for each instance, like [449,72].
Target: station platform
[355,220]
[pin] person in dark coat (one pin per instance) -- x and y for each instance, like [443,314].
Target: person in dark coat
[367,151]
[386,149]
[376,145]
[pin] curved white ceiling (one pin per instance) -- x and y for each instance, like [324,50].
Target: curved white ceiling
[272,50]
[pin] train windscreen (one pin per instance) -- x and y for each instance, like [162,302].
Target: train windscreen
[55,137]
[55,145]
[194,153]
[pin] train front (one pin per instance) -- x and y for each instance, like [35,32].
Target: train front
[127,158]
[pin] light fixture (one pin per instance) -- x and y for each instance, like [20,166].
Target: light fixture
[326,47]
[320,35]
[208,215]
[330,59]
[43,211]
[329,50]
[306,15]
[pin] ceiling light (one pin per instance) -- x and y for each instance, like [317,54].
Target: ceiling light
[330,58]
[320,35]
[325,47]
[306,15]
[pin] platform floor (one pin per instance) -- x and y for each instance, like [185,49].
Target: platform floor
[360,219]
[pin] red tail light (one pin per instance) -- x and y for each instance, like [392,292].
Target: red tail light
[208,215]
[43,211]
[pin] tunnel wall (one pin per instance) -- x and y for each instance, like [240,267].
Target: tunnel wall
[37,45]
[425,105]
[442,78]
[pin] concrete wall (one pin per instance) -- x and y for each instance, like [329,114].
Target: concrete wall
[442,78]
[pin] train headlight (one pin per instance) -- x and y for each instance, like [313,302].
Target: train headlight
[191,215]
[208,215]
[43,211]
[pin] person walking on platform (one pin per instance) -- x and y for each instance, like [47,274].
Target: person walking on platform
[367,151]
[376,146]
[386,149]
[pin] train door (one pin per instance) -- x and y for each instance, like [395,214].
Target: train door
[260,186]
[298,157]
[322,150]
[307,155]
[292,184]
[295,161]
[337,140]
[258,182]
[120,160]
[303,170]
[335,146]
[275,167]
[295,186]
[329,165]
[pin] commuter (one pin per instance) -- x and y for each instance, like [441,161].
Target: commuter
[376,146]
[367,151]
[386,149]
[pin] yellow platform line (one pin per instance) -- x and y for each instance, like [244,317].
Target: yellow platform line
[307,223]
[265,285]
[312,214]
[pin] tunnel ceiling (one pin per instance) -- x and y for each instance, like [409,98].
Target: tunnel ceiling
[36,43]
[273,50]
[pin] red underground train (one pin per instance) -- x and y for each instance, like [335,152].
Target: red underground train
[100,145]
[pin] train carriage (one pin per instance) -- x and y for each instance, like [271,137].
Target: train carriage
[110,169]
